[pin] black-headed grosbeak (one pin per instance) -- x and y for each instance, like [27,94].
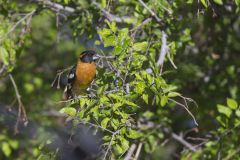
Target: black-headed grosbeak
[82,74]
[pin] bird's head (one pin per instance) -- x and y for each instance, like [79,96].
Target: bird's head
[88,56]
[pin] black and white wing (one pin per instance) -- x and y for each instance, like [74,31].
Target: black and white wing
[71,78]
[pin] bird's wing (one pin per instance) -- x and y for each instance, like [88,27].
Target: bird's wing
[71,78]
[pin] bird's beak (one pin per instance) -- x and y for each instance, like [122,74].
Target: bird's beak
[96,57]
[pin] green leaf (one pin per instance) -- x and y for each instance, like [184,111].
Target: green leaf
[130,103]
[224,110]
[123,34]
[112,26]
[118,149]
[145,98]
[173,94]
[104,3]
[124,144]
[237,2]
[4,55]
[237,112]
[116,105]
[97,42]
[133,134]
[105,32]
[140,46]
[220,2]
[109,41]
[139,87]
[6,149]
[13,143]
[221,120]
[232,103]
[204,2]
[104,122]
[69,111]
[164,100]
[148,114]
[66,1]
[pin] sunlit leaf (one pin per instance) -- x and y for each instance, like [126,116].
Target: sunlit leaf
[204,2]
[133,134]
[104,122]
[6,149]
[232,103]
[164,100]
[220,2]
[140,46]
[4,55]
[69,111]
[224,110]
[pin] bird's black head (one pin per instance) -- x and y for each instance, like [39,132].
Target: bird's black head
[88,56]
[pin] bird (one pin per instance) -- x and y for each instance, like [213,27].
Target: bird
[81,75]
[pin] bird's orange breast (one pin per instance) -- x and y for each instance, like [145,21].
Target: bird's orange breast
[85,73]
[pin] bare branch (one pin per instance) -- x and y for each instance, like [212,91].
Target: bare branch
[18,22]
[180,104]
[58,76]
[146,21]
[164,49]
[171,61]
[138,151]
[60,8]
[110,144]
[21,110]
[182,141]
[110,16]
[149,10]
[56,6]
[97,126]
[130,152]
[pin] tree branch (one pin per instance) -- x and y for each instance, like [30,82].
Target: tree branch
[18,22]
[149,10]
[56,6]
[164,49]
[21,110]
[182,141]
[130,152]
[180,104]
[110,16]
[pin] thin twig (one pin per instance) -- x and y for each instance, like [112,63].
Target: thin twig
[58,76]
[138,151]
[110,144]
[171,61]
[182,141]
[146,21]
[21,110]
[56,6]
[164,49]
[97,126]
[151,11]
[130,152]
[188,99]
[110,16]
[180,104]
[232,154]
[18,22]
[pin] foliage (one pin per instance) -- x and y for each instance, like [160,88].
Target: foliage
[225,139]
[164,51]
